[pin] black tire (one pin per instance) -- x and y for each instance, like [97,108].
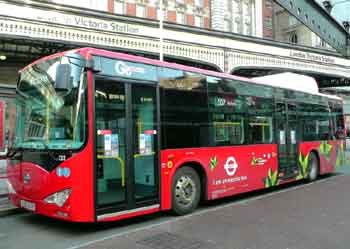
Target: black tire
[185,191]
[313,169]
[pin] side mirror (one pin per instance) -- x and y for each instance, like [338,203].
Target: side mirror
[62,81]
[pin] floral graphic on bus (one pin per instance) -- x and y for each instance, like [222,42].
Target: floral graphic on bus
[258,161]
[271,179]
[303,166]
[340,155]
[325,149]
[213,163]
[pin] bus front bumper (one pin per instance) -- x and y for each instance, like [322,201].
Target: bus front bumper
[40,207]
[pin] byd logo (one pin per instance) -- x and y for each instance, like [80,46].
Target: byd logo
[231,166]
[26,178]
[123,69]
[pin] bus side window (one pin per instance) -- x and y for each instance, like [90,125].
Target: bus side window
[259,120]
[183,109]
[225,112]
[260,129]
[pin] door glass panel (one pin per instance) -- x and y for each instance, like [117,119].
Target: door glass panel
[292,132]
[145,142]
[281,120]
[110,136]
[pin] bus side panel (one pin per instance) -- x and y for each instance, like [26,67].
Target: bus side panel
[230,170]
[330,153]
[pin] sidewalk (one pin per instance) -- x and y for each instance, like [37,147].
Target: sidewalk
[305,216]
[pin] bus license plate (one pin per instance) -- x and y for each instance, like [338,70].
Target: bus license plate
[28,205]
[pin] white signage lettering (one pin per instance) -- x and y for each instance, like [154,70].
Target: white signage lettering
[66,19]
[123,69]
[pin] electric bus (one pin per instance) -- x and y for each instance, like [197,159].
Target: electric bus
[102,136]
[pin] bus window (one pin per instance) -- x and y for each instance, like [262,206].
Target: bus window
[315,122]
[260,130]
[225,112]
[183,109]
[228,129]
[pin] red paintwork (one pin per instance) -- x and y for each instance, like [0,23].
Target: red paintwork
[80,206]
[327,165]
[251,176]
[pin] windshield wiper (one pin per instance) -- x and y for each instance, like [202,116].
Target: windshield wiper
[13,152]
[46,146]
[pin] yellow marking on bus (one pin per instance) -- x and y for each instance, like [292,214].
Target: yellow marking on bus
[121,165]
[227,123]
[140,155]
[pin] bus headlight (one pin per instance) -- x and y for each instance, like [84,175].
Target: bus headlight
[10,188]
[58,198]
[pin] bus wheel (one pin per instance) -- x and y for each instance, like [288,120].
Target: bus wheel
[313,167]
[186,191]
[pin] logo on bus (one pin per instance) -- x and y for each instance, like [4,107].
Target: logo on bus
[26,178]
[123,69]
[227,101]
[231,166]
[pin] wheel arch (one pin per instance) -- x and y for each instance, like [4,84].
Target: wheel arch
[203,177]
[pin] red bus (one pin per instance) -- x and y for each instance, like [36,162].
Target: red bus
[102,136]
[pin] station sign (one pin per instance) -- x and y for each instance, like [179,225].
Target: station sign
[67,19]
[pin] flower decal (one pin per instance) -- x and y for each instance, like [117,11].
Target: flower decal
[303,166]
[213,163]
[271,179]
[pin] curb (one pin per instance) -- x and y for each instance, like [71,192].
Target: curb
[6,208]
[9,211]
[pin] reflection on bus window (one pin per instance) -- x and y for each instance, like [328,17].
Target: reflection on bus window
[260,129]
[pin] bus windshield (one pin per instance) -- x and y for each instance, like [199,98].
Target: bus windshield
[49,117]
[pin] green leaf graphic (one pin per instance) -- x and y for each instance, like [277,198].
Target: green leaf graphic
[340,155]
[271,179]
[322,148]
[303,166]
[213,163]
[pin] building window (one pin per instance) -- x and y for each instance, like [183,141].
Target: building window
[247,28]
[243,16]
[198,3]
[119,8]
[180,17]
[268,4]
[100,5]
[198,21]
[237,27]
[268,22]
[140,11]
[227,27]
[294,38]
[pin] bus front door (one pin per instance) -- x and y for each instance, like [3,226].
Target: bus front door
[126,148]
[287,139]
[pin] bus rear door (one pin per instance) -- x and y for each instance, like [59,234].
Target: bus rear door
[287,138]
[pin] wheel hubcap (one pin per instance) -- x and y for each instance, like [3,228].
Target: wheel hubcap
[185,190]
